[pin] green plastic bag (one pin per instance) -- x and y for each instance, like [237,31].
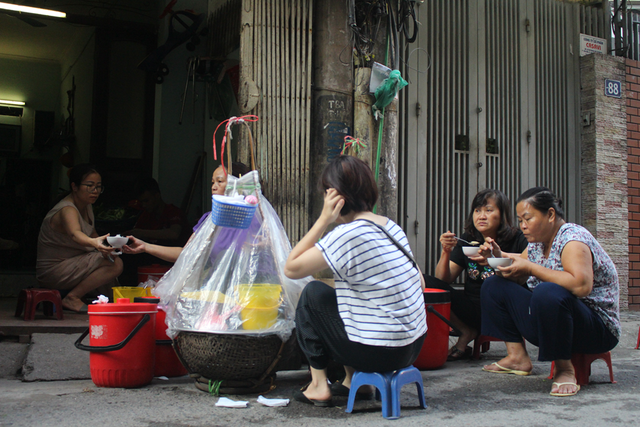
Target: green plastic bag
[387,91]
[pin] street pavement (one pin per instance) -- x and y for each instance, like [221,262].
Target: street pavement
[459,394]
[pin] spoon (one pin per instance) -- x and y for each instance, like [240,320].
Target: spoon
[472,243]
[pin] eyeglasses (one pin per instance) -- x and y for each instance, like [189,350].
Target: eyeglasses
[93,187]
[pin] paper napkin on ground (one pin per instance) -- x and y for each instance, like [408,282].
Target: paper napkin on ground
[228,403]
[273,402]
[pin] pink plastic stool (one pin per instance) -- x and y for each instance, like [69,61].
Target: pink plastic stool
[482,342]
[28,299]
[582,364]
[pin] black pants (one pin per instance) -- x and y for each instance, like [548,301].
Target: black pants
[465,304]
[322,336]
[550,317]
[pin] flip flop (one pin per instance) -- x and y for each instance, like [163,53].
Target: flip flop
[300,397]
[339,389]
[504,370]
[565,394]
[457,354]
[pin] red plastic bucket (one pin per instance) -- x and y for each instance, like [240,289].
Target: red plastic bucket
[436,345]
[122,343]
[167,362]
[155,271]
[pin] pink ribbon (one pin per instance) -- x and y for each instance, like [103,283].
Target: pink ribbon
[228,135]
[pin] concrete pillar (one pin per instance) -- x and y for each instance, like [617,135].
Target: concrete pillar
[604,161]
[365,128]
[388,174]
[332,90]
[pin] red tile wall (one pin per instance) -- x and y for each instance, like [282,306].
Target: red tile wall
[633,171]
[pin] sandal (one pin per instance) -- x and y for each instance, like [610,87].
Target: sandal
[503,370]
[338,389]
[457,354]
[557,393]
[300,397]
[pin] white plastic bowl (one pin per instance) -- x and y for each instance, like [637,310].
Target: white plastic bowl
[499,262]
[470,250]
[117,241]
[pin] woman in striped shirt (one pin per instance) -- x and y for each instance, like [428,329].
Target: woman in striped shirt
[374,319]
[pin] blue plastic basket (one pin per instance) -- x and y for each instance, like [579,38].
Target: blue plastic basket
[231,215]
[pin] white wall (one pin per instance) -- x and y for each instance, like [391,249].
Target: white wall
[43,85]
[35,82]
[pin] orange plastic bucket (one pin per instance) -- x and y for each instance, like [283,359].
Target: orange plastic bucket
[436,345]
[122,343]
[167,362]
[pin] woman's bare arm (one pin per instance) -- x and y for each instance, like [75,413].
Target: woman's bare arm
[447,270]
[165,253]
[577,263]
[305,259]
[70,223]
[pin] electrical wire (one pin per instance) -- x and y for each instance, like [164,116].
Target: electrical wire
[79,56]
[364,22]
[407,19]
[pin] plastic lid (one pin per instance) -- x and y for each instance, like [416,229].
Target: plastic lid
[436,296]
[123,306]
[151,300]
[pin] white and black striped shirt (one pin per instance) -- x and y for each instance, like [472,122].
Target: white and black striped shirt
[378,289]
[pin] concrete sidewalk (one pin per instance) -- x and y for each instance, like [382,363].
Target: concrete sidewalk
[460,394]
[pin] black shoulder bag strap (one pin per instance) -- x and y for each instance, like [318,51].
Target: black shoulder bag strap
[402,248]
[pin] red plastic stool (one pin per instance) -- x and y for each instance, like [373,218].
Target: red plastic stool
[28,299]
[482,341]
[638,343]
[582,364]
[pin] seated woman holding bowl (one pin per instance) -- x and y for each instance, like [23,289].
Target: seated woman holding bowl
[572,305]
[374,320]
[490,218]
[71,255]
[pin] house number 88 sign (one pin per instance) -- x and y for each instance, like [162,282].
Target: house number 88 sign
[613,88]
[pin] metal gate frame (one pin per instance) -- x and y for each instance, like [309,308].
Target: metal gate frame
[276,68]
[467,52]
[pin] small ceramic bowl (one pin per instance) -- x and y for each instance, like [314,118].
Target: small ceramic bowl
[499,262]
[117,241]
[471,250]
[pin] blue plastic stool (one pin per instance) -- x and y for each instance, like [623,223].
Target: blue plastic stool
[404,376]
[389,385]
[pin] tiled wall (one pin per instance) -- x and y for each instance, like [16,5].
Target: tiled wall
[604,171]
[633,174]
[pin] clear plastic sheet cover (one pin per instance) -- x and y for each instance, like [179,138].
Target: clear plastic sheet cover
[230,280]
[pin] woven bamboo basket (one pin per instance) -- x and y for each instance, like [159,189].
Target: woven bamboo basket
[228,356]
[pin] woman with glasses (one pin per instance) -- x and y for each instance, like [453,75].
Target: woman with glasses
[71,255]
[489,218]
